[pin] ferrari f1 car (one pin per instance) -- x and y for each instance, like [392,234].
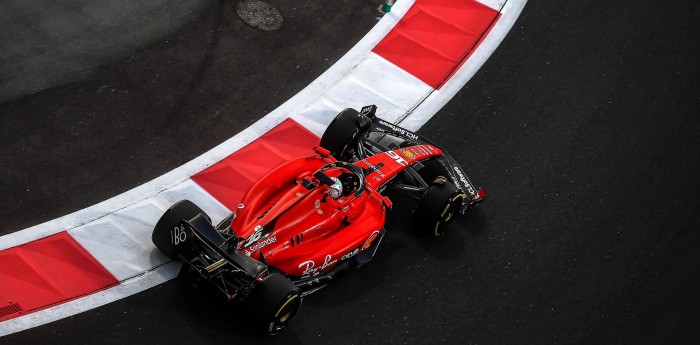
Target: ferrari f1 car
[312,217]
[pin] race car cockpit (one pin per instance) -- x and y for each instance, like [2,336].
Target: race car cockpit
[345,179]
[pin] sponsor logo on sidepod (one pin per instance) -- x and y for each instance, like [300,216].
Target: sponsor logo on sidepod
[350,254]
[311,269]
[263,243]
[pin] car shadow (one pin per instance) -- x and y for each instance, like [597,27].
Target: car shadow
[206,306]
[473,221]
[452,244]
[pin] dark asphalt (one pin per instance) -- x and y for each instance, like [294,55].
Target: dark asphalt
[582,127]
[69,147]
[49,43]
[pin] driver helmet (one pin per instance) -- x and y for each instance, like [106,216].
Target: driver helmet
[336,189]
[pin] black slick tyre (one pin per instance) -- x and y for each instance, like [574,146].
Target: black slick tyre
[342,134]
[438,207]
[432,169]
[165,232]
[273,303]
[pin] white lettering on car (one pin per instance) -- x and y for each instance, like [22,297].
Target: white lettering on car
[310,265]
[374,168]
[350,254]
[254,237]
[464,180]
[178,235]
[260,245]
[399,130]
[395,156]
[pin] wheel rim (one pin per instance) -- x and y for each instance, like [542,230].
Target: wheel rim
[447,215]
[285,314]
[342,152]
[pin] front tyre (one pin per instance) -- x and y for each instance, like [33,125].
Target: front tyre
[273,303]
[433,169]
[438,207]
[344,132]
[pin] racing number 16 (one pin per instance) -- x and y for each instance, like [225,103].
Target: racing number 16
[254,237]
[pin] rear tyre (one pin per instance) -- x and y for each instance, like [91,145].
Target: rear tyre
[273,303]
[438,207]
[342,134]
[167,236]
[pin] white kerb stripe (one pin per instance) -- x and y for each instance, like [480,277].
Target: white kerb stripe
[495,4]
[121,241]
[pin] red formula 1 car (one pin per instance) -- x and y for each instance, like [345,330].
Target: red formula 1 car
[312,217]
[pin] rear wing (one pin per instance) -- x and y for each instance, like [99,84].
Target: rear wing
[207,234]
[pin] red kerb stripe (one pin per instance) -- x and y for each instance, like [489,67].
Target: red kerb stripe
[435,37]
[229,179]
[45,272]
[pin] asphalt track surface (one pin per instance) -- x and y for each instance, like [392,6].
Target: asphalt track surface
[582,127]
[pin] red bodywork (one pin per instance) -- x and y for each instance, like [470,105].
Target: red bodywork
[303,232]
